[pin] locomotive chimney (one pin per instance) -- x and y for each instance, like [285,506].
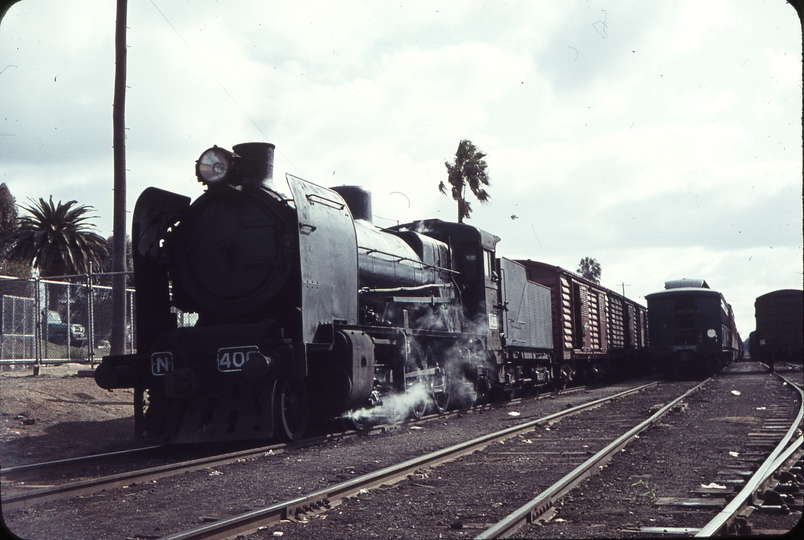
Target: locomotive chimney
[358,200]
[263,156]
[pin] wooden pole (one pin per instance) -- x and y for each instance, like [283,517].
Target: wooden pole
[119,218]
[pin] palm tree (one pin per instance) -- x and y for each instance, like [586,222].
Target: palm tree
[469,169]
[57,239]
[8,217]
[590,269]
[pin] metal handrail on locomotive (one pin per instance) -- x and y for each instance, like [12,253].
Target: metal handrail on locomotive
[307,310]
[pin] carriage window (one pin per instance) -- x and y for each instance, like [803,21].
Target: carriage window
[470,264]
[488,263]
[685,311]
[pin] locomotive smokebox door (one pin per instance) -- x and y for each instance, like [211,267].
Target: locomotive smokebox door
[327,257]
[229,253]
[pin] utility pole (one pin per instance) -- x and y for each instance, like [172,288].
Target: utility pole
[624,286]
[119,216]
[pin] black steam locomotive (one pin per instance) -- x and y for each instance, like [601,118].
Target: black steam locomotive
[306,309]
[692,329]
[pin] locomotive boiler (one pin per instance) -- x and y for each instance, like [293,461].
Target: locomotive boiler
[305,309]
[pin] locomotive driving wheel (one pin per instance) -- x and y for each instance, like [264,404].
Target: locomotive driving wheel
[415,387]
[141,400]
[440,390]
[291,409]
[358,423]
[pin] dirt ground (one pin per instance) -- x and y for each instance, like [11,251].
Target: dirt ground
[60,413]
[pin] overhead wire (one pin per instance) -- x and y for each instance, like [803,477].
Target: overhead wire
[223,87]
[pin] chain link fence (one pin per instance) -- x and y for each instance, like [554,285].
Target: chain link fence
[59,320]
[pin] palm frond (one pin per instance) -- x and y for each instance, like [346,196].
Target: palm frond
[469,169]
[58,238]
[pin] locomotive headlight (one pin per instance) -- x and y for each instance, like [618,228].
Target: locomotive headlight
[214,166]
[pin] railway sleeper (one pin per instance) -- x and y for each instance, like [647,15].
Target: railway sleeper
[300,512]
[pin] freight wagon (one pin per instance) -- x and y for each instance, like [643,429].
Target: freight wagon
[779,334]
[596,332]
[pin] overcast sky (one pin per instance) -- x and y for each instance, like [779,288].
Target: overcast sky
[661,138]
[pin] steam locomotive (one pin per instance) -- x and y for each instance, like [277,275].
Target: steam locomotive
[306,309]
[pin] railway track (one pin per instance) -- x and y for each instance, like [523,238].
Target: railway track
[302,509]
[543,451]
[182,493]
[64,466]
[18,494]
[734,482]
[784,449]
[756,495]
[420,473]
[28,485]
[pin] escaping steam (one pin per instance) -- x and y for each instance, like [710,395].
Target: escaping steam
[395,408]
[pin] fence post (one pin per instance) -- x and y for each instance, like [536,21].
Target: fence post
[129,334]
[91,321]
[38,328]
[69,326]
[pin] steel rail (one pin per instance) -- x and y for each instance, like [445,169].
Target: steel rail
[330,496]
[83,487]
[14,472]
[25,471]
[530,511]
[721,523]
[92,485]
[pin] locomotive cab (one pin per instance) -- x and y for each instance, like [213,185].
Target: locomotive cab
[478,275]
[478,282]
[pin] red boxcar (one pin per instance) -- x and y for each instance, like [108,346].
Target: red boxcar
[596,332]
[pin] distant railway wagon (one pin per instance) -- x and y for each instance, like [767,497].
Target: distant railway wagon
[779,334]
[692,329]
[596,332]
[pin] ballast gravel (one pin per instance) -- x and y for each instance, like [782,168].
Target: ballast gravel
[456,500]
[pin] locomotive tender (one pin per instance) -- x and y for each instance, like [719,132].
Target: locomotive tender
[692,329]
[306,309]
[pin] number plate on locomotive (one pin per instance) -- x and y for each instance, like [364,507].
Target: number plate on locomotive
[233,358]
[161,363]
